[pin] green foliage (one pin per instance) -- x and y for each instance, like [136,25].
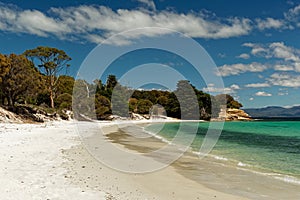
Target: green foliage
[187,98]
[133,104]
[65,84]
[102,106]
[144,106]
[43,98]
[230,101]
[16,77]
[119,101]
[111,82]
[51,61]
[21,82]
[64,101]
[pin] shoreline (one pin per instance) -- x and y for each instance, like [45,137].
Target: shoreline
[251,184]
[287,178]
[141,186]
[61,167]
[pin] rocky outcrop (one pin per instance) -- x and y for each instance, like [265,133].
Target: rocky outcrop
[233,114]
[27,113]
[9,117]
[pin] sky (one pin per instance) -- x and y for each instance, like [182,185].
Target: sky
[254,44]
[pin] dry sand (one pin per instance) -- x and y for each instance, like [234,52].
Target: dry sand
[48,161]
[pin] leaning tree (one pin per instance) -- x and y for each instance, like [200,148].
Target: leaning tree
[51,62]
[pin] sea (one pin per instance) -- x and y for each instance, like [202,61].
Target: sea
[267,147]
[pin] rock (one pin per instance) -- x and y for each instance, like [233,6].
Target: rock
[9,117]
[28,113]
[233,114]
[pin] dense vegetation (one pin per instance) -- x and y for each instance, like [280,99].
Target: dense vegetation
[35,78]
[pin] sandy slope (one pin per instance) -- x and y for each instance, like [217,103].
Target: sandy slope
[30,162]
[48,161]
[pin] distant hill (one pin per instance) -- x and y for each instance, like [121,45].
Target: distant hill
[274,112]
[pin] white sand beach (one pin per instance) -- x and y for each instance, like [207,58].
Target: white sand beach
[48,161]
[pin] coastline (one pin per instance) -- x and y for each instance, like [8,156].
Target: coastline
[218,174]
[161,184]
[52,162]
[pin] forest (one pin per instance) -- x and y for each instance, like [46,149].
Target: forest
[38,78]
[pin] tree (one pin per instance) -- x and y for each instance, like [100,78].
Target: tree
[111,81]
[17,75]
[51,62]
[102,106]
[64,101]
[82,102]
[4,69]
[144,106]
[162,100]
[133,104]
[189,105]
[65,84]
[231,103]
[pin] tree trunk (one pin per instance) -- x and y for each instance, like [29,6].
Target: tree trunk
[10,102]
[51,99]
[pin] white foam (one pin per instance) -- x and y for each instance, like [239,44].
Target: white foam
[288,179]
[242,164]
[220,158]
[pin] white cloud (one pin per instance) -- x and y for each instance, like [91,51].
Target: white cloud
[226,90]
[257,49]
[97,23]
[263,94]
[236,69]
[290,56]
[279,67]
[284,80]
[269,23]
[280,50]
[30,21]
[251,99]
[257,85]
[244,56]
[148,3]
[235,87]
[293,15]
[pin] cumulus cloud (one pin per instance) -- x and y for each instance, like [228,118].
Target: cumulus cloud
[257,49]
[257,85]
[263,94]
[290,56]
[280,67]
[269,23]
[284,80]
[236,69]
[97,23]
[244,56]
[30,21]
[226,90]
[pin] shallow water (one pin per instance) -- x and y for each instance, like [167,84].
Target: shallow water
[264,146]
[258,157]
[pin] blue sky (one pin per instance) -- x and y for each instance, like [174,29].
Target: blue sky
[255,44]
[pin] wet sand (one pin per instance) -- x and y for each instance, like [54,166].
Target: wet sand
[214,174]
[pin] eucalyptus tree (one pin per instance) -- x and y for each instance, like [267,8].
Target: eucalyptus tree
[51,62]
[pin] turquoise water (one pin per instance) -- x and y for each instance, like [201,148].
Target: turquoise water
[266,146]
